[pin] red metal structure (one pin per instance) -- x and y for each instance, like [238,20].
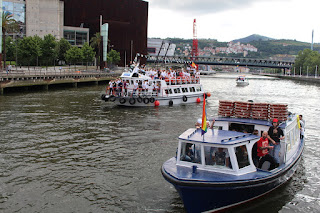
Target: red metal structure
[195,51]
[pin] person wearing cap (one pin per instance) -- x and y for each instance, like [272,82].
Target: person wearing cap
[275,134]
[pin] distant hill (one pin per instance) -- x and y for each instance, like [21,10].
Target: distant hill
[254,37]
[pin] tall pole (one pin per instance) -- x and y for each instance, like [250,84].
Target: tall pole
[315,73]
[131,46]
[312,41]
[307,71]
[294,71]
[300,71]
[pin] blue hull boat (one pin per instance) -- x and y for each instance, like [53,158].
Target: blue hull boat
[207,185]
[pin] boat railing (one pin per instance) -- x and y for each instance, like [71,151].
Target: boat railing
[129,92]
[182,80]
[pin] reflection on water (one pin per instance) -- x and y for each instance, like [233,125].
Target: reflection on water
[63,151]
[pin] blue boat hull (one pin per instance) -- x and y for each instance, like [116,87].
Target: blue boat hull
[202,196]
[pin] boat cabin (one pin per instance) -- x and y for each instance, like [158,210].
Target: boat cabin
[230,147]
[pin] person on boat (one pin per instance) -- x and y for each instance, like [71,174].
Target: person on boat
[135,87]
[220,156]
[263,153]
[110,87]
[275,134]
[199,123]
[302,124]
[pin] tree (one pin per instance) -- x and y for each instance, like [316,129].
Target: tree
[88,53]
[113,57]
[10,48]
[95,42]
[62,47]
[48,49]
[8,25]
[74,55]
[29,50]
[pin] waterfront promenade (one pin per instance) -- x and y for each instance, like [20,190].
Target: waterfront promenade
[25,78]
[302,78]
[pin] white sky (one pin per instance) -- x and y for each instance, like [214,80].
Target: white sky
[226,20]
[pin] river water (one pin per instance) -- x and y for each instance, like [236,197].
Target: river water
[65,151]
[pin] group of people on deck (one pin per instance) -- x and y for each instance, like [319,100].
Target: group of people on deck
[268,146]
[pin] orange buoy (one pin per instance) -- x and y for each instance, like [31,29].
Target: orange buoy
[208,94]
[198,100]
[156,103]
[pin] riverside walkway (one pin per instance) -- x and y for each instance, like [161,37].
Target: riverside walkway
[41,78]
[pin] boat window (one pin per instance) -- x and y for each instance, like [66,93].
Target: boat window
[192,89]
[184,90]
[170,91]
[198,89]
[177,90]
[241,127]
[217,156]
[166,91]
[190,152]
[242,156]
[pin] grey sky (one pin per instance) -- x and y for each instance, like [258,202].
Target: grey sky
[204,7]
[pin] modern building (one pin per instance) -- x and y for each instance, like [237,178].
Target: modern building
[80,20]
[160,47]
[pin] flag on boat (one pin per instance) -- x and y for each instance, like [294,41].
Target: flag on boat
[194,65]
[204,117]
[298,121]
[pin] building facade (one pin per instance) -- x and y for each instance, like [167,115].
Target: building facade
[79,20]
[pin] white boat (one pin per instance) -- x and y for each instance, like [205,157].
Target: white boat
[242,81]
[155,92]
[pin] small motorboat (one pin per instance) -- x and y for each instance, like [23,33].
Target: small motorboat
[218,170]
[242,81]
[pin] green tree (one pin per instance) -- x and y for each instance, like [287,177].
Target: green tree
[10,48]
[8,25]
[113,57]
[88,53]
[48,49]
[74,55]
[29,50]
[63,46]
[95,42]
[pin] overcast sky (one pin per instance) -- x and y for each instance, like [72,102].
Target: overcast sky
[226,20]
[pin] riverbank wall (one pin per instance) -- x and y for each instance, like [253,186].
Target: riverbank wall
[17,81]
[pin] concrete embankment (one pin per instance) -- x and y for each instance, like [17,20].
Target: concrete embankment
[24,81]
[311,79]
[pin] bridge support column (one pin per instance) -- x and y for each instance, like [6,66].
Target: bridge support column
[75,85]
[96,83]
[1,91]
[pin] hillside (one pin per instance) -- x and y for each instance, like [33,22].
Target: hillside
[254,37]
[267,47]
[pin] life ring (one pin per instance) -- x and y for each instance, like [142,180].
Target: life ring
[132,101]
[170,103]
[112,98]
[152,100]
[146,100]
[139,99]
[122,100]
[184,98]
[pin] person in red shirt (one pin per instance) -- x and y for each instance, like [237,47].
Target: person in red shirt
[263,151]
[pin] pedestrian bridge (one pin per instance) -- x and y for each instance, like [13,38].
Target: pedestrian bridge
[244,62]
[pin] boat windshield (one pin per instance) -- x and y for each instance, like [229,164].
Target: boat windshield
[217,157]
[190,152]
[242,156]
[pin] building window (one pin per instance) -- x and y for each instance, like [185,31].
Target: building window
[18,11]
